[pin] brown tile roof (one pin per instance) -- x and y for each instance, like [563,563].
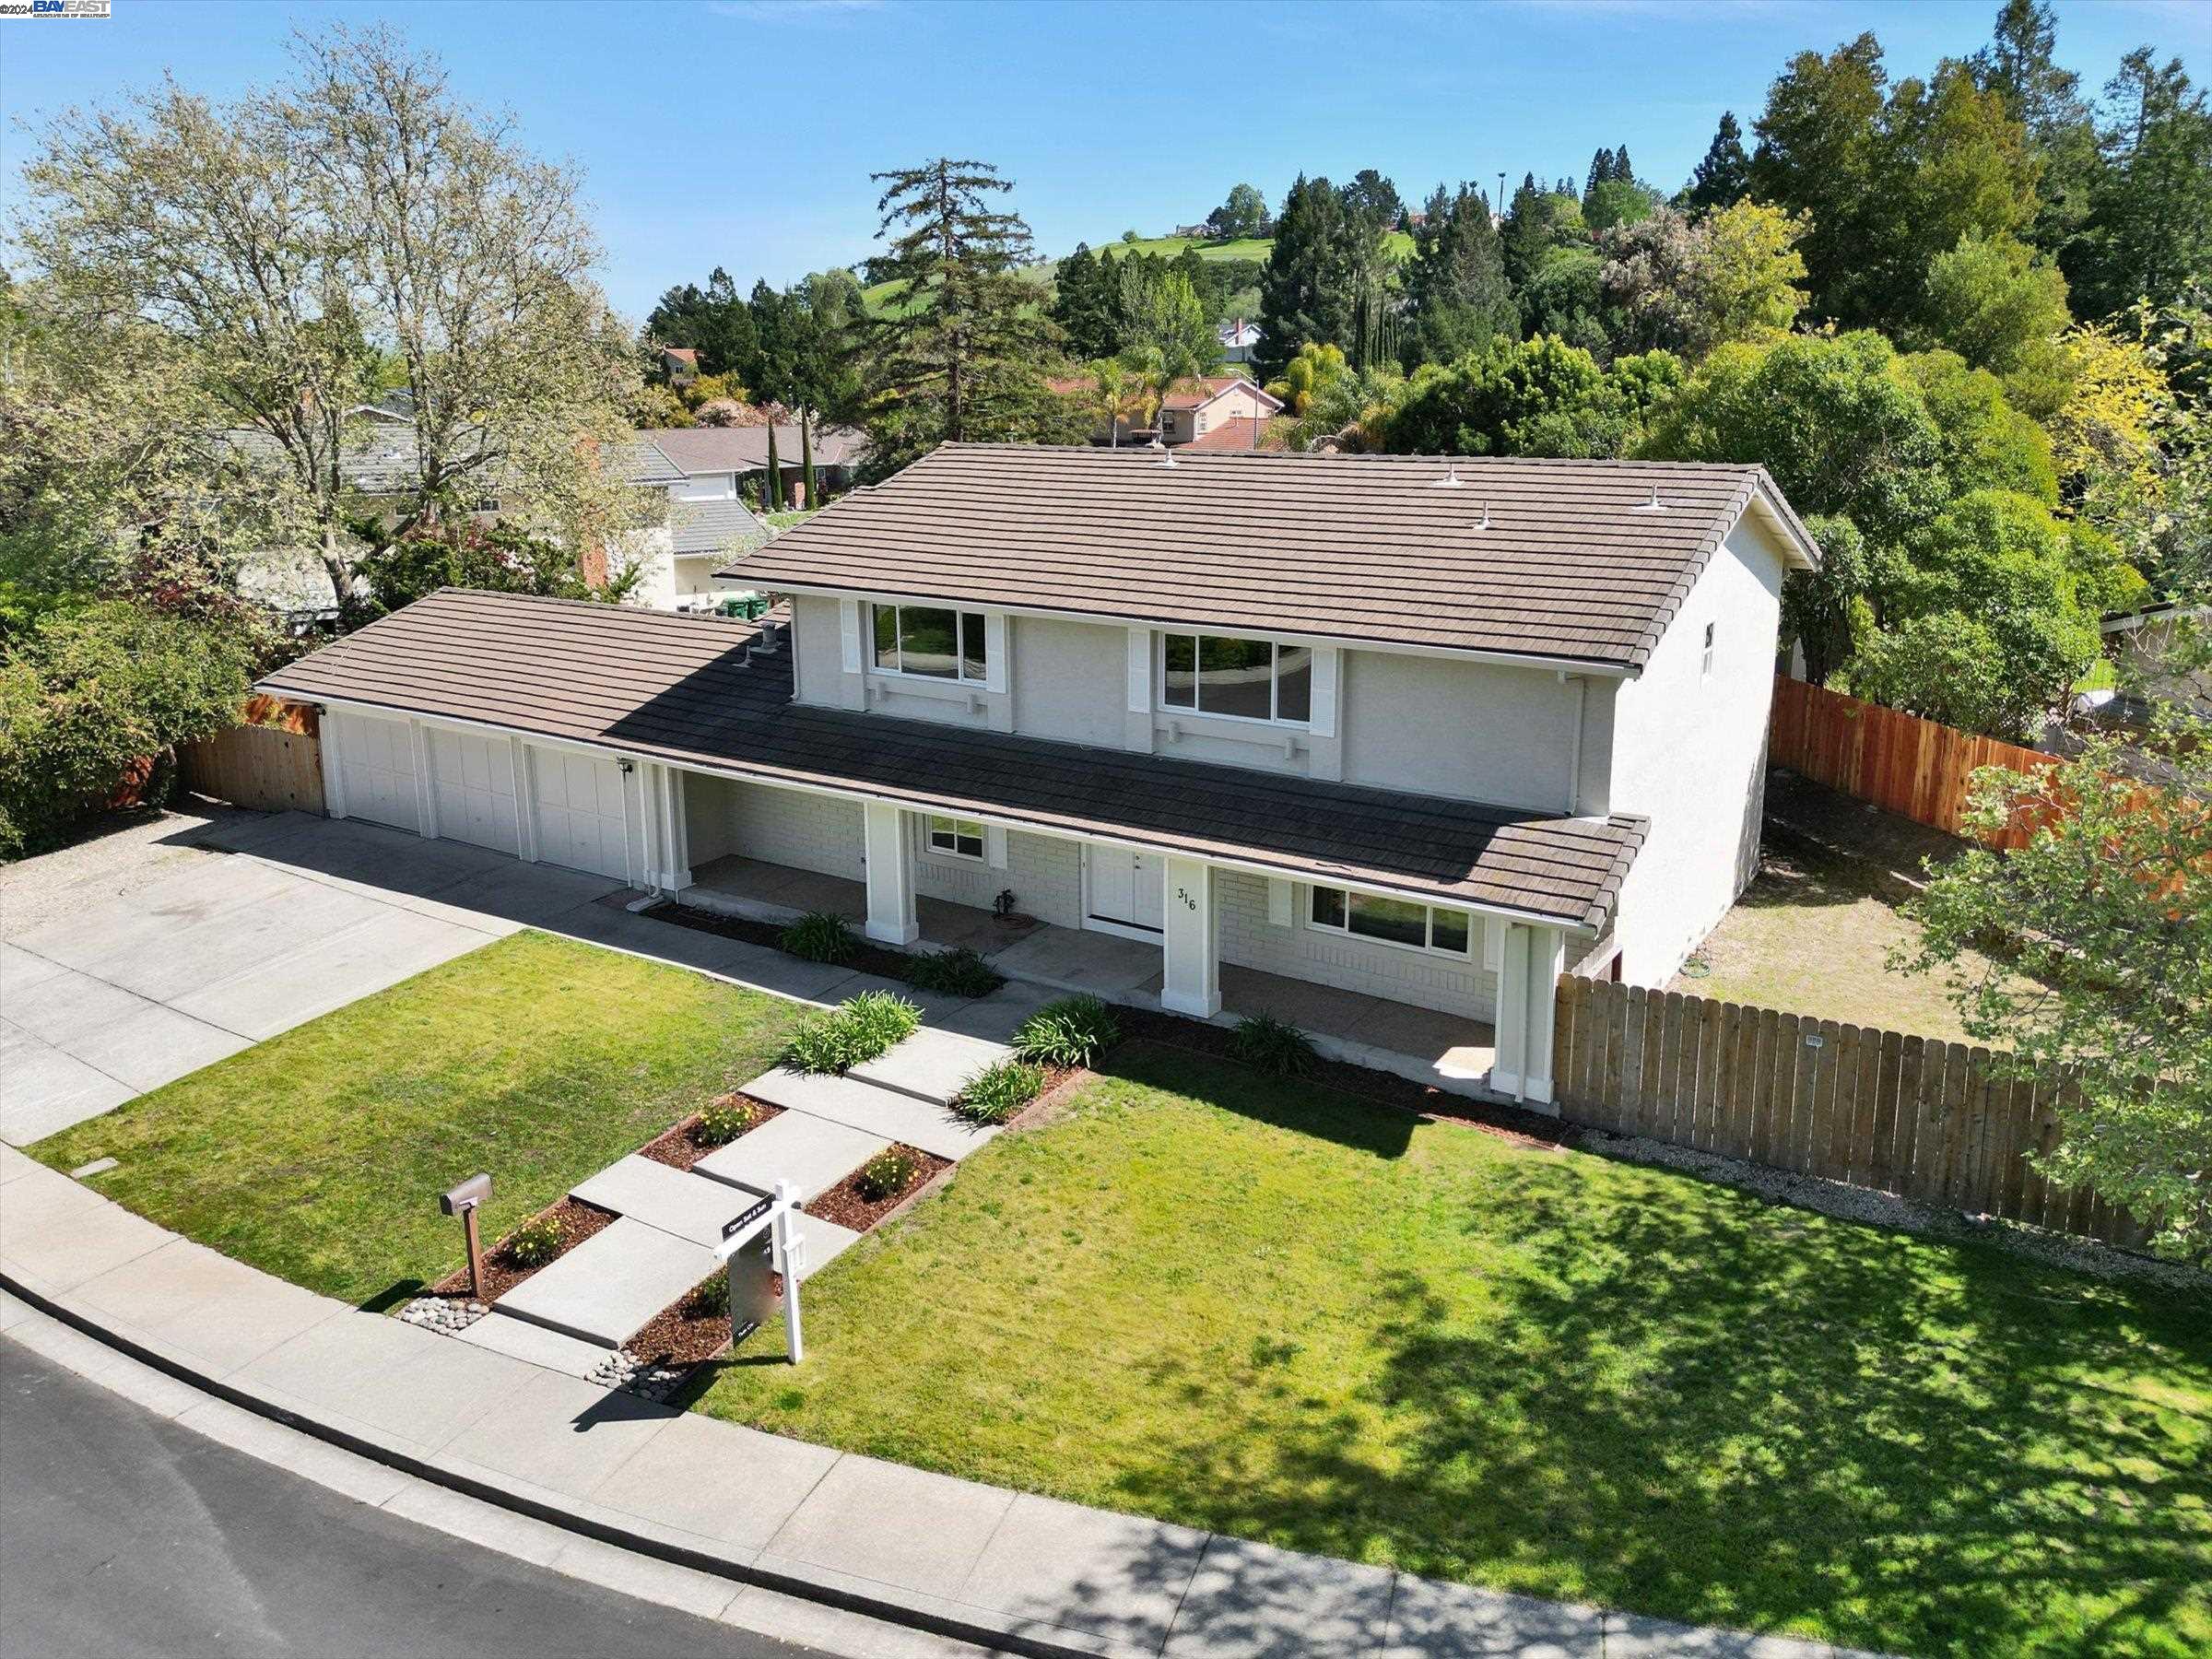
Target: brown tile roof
[1238,433]
[664,686]
[741,449]
[1574,564]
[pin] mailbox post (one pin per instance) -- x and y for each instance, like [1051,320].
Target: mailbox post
[462,1200]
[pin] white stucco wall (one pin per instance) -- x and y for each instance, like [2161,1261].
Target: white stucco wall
[1298,951]
[1069,680]
[1490,732]
[1689,753]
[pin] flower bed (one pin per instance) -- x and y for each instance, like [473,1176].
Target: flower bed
[684,1145]
[578,1222]
[848,1203]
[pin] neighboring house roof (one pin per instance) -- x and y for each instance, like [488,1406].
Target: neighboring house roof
[713,527]
[653,683]
[1234,335]
[1240,432]
[1574,564]
[645,462]
[374,457]
[697,450]
[683,354]
[397,405]
[2132,621]
[1197,393]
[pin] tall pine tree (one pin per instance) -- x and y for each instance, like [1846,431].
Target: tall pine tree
[1724,177]
[1456,279]
[1306,291]
[958,353]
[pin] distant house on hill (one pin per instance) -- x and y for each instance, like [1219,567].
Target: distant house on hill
[1240,340]
[680,364]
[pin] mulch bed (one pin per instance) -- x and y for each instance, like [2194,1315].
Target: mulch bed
[682,1334]
[578,1220]
[867,957]
[847,1205]
[680,1148]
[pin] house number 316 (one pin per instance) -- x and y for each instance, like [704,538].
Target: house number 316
[1189,903]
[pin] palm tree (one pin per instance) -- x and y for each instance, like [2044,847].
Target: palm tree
[1118,393]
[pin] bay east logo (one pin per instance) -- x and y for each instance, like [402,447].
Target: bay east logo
[56,9]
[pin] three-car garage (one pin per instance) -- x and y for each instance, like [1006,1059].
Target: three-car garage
[548,803]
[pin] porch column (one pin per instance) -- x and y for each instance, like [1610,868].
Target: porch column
[1190,941]
[890,858]
[665,788]
[1528,975]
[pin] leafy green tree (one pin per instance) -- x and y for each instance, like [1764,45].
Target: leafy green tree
[714,321]
[459,552]
[1541,396]
[1306,292]
[1825,613]
[2149,228]
[1244,213]
[1166,319]
[959,352]
[1724,177]
[1999,305]
[1455,280]
[1890,175]
[2108,913]
[1982,442]
[296,241]
[1830,419]
[1310,377]
[1612,202]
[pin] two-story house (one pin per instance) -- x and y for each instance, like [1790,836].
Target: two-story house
[1425,732]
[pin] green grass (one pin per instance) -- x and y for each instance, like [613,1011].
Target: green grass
[319,1154]
[1266,1309]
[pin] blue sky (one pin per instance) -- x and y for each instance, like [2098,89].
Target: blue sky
[741,132]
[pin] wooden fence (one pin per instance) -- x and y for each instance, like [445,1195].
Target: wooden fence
[1897,762]
[272,764]
[1915,1116]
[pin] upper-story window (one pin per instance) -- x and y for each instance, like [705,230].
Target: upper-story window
[1246,680]
[941,645]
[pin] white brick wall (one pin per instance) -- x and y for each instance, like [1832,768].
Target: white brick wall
[778,825]
[1250,940]
[1046,873]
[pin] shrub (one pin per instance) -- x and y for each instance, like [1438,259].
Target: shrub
[725,1118]
[958,972]
[1074,1030]
[844,1036]
[890,1171]
[998,1091]
[821,937]
[535,1241]
[1274,1046]
[712,1298]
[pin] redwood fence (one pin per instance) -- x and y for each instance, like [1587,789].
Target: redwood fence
[1897,762]
[1915,1116]
[272,764]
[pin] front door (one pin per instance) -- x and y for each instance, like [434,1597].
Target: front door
[1126,892]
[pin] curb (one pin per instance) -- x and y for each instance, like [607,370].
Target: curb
[830,1590]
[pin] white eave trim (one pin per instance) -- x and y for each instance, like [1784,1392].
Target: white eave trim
[913,803]
[1177,625]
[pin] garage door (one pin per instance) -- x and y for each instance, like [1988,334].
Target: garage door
[476,789]
[580,819]
[376,764]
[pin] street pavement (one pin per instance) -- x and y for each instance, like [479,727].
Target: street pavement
[123,1533]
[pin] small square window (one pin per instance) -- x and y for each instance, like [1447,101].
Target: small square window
[1328,907]
[958,838]
[1448,931]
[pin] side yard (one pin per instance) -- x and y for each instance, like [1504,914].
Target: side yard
[1274,1311]
[319,1154]
[1811,933]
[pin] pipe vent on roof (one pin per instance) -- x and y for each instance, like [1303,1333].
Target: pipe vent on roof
[1653,505]
[1450,478]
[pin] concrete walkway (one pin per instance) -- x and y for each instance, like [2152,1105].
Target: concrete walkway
[714,1504]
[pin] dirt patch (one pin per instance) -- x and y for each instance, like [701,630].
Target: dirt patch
[847,1205]
[696,1328]
[680,1148]
[578,1220]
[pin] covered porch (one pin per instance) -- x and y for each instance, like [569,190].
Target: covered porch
[1447,1050]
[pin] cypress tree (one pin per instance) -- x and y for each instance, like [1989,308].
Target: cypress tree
[1724,177]
[775,474]
[1600,169]
[807,480]
[1622,171]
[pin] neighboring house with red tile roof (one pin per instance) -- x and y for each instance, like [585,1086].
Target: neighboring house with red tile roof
[1422,731]
[1245,432]
[1193,407]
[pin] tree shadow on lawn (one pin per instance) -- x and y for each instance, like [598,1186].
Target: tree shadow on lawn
[1711,1409]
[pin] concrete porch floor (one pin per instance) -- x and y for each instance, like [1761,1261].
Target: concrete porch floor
[1447,1050]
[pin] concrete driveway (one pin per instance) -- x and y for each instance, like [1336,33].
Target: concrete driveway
[125,966]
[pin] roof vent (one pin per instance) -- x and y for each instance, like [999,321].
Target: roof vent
[1450,478]
[1651,506]
[1486,517]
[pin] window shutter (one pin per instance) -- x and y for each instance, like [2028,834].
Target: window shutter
[1279,902]
[848,628]
[994,846]
[1493,943]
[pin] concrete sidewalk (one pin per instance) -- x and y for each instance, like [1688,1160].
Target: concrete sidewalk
[703,1505]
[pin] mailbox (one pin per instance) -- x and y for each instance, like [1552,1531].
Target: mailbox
[459,1200]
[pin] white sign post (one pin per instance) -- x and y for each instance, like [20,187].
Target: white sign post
[765,1239]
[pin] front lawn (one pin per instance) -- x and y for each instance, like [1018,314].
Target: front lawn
[1271,1309]
[319,1155]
